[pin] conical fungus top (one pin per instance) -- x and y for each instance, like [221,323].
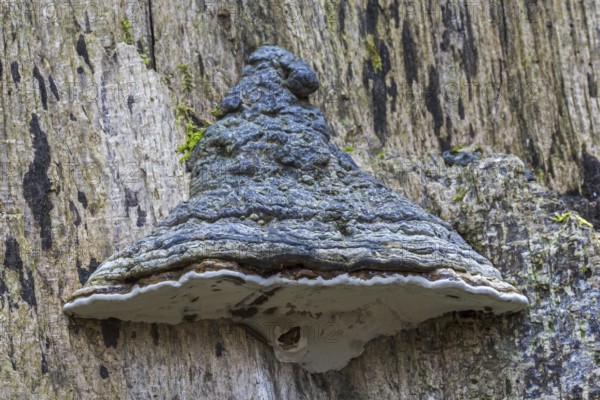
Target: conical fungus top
[282,227]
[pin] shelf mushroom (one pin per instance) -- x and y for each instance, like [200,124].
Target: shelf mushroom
[284,233]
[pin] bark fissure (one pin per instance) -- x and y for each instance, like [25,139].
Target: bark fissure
[152,37]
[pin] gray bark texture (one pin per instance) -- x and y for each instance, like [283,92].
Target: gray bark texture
[90,93]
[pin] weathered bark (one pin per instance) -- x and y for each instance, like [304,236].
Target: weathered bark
[88,134]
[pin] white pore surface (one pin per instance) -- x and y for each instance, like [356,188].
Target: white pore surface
[336,316]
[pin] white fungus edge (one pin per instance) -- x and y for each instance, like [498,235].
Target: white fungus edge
[343,279]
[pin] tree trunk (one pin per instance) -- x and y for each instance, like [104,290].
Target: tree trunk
[88,134]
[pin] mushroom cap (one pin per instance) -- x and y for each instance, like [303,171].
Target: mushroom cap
[283,231]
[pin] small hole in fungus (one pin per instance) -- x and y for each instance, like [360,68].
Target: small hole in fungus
[290,338]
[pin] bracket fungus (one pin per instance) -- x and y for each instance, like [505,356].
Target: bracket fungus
[284,233]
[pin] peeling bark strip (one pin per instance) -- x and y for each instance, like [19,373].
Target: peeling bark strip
[13,261]
[53,87]
[3,290]
[82,198]
[434,107]
[410,56]
[83,52]
[74,213]
[42,87]
[14,70]
[36,184]
[141,217]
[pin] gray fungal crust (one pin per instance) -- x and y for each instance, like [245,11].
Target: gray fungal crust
[291,234]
